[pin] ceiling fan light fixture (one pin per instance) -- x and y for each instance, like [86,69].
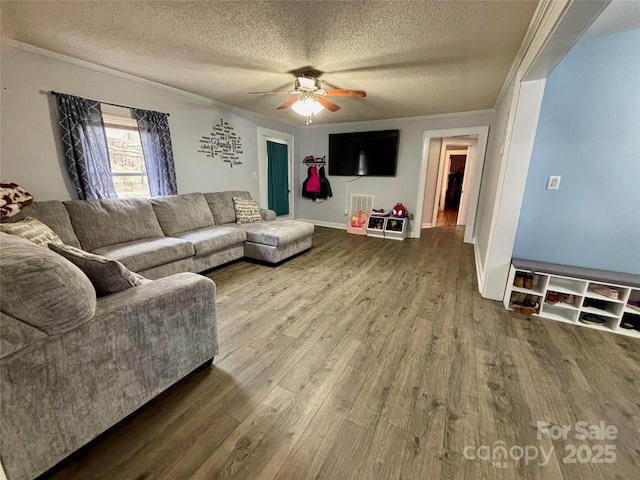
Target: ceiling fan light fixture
[307,107]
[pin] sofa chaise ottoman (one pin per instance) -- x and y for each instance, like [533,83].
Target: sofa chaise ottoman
[272,240]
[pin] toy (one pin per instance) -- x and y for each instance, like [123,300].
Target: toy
[399,211]
[357,224]
[358,219]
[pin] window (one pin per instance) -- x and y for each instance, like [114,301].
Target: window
[128,168]
[140,165]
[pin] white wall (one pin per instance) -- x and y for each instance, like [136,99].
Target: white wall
[388,191]
[30,152]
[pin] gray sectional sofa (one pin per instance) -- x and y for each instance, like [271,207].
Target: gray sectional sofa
[165,235]
[73,365]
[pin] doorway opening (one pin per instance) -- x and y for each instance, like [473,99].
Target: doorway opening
[449,204]
[450,175]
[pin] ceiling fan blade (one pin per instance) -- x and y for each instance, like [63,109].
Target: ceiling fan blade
[345,93]
[288,103]
[270,93]
[328,104]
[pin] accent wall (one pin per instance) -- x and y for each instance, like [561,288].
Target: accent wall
[589,134]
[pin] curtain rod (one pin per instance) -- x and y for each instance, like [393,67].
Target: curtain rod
[100,101]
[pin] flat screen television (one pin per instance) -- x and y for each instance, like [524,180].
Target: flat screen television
[364,153]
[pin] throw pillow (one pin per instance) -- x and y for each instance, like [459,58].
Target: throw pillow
[33,230]
[107,276]
[13,198]
[247,211]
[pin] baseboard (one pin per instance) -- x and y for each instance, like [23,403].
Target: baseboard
[479,266]
[426,225]
[320,223]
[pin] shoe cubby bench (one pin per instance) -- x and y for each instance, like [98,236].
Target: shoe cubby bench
[591,298]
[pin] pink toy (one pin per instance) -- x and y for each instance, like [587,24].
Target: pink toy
[357,224]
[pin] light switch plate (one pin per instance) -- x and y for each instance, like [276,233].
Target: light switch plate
[554,182]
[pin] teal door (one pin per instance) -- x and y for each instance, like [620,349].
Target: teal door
[278,177]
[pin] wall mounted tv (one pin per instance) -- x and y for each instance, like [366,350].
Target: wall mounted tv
[364,153]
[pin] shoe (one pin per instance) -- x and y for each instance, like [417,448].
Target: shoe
[567,298]
[634,305]
[593,303]
[606,291]
[528,281]
[552,298]
[628,322]
[591,319]
[528,306]
[518,281]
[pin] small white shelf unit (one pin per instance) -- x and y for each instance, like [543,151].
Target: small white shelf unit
[580,283]
[387,227]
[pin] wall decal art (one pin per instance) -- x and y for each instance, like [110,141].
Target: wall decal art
[222,143]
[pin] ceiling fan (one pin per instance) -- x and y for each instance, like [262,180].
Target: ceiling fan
[310,98]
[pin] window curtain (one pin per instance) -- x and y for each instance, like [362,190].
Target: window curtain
[85,147]
[278,177]
[158,154]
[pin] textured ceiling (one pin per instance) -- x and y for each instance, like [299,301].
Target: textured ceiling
[412,58]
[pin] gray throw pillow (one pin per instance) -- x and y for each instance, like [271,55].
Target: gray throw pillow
[33,230]
[41,288]
[107,276]
[247,211]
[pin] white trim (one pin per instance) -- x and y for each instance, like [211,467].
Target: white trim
[402,119]
[426,225]
[150,83]
[143,81]
[445,166]
[469,168]
[562,32]
[426,140]
[533,41]
[320,223]
[483,133]
[479,266]
[518,147]
[264,135]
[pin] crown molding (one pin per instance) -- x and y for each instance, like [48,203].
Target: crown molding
[208,101]
[555,27]
[403,119]
[540,28]
[142,81]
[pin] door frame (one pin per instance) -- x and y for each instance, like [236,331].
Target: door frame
[264,135]
[469,169]
[474,193]
[443,179]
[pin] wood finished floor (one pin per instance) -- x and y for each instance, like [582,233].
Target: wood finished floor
[377,359]
[447,217]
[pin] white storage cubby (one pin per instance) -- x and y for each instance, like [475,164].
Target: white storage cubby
[572,297]
[395,228]
[375,227]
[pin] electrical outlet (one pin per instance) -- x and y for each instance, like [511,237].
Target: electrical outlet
[554,182]
[255,175]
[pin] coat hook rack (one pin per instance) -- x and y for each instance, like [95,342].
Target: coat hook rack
[310,160]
